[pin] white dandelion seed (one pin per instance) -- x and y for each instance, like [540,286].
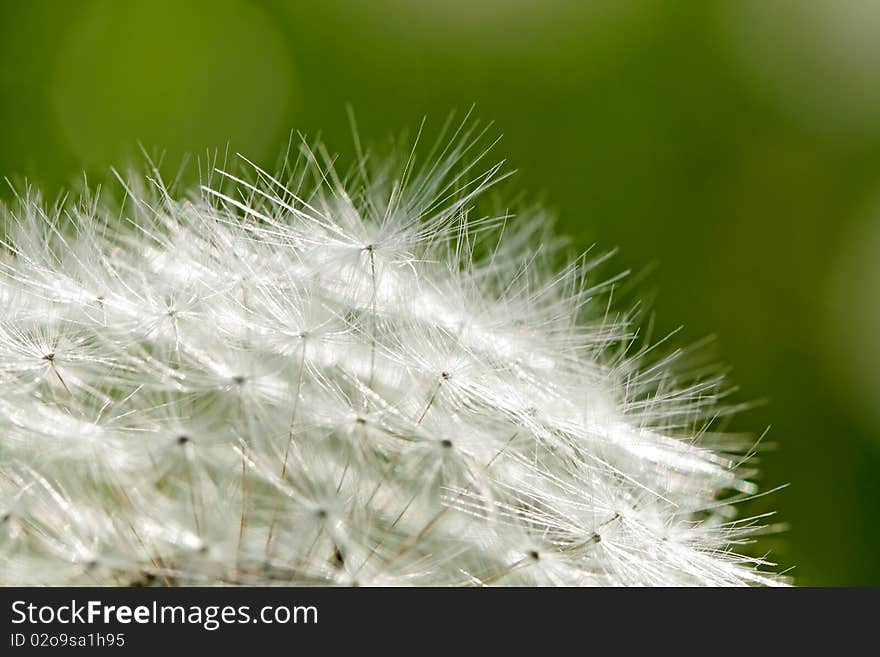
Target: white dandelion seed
[302,378]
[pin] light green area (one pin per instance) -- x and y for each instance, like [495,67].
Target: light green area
[734,144]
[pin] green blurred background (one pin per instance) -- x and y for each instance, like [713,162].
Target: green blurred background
[734,144]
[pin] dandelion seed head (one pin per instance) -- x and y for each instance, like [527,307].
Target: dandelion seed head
[361,379]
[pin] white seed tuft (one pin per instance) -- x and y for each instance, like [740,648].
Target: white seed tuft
[294,378]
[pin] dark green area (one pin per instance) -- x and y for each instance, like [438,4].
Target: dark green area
[734,144]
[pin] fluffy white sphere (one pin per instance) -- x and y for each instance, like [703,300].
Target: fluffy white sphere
[297,378]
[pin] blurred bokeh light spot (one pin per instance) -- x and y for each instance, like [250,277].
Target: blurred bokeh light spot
[181,76]
[818,61]
[854,301]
